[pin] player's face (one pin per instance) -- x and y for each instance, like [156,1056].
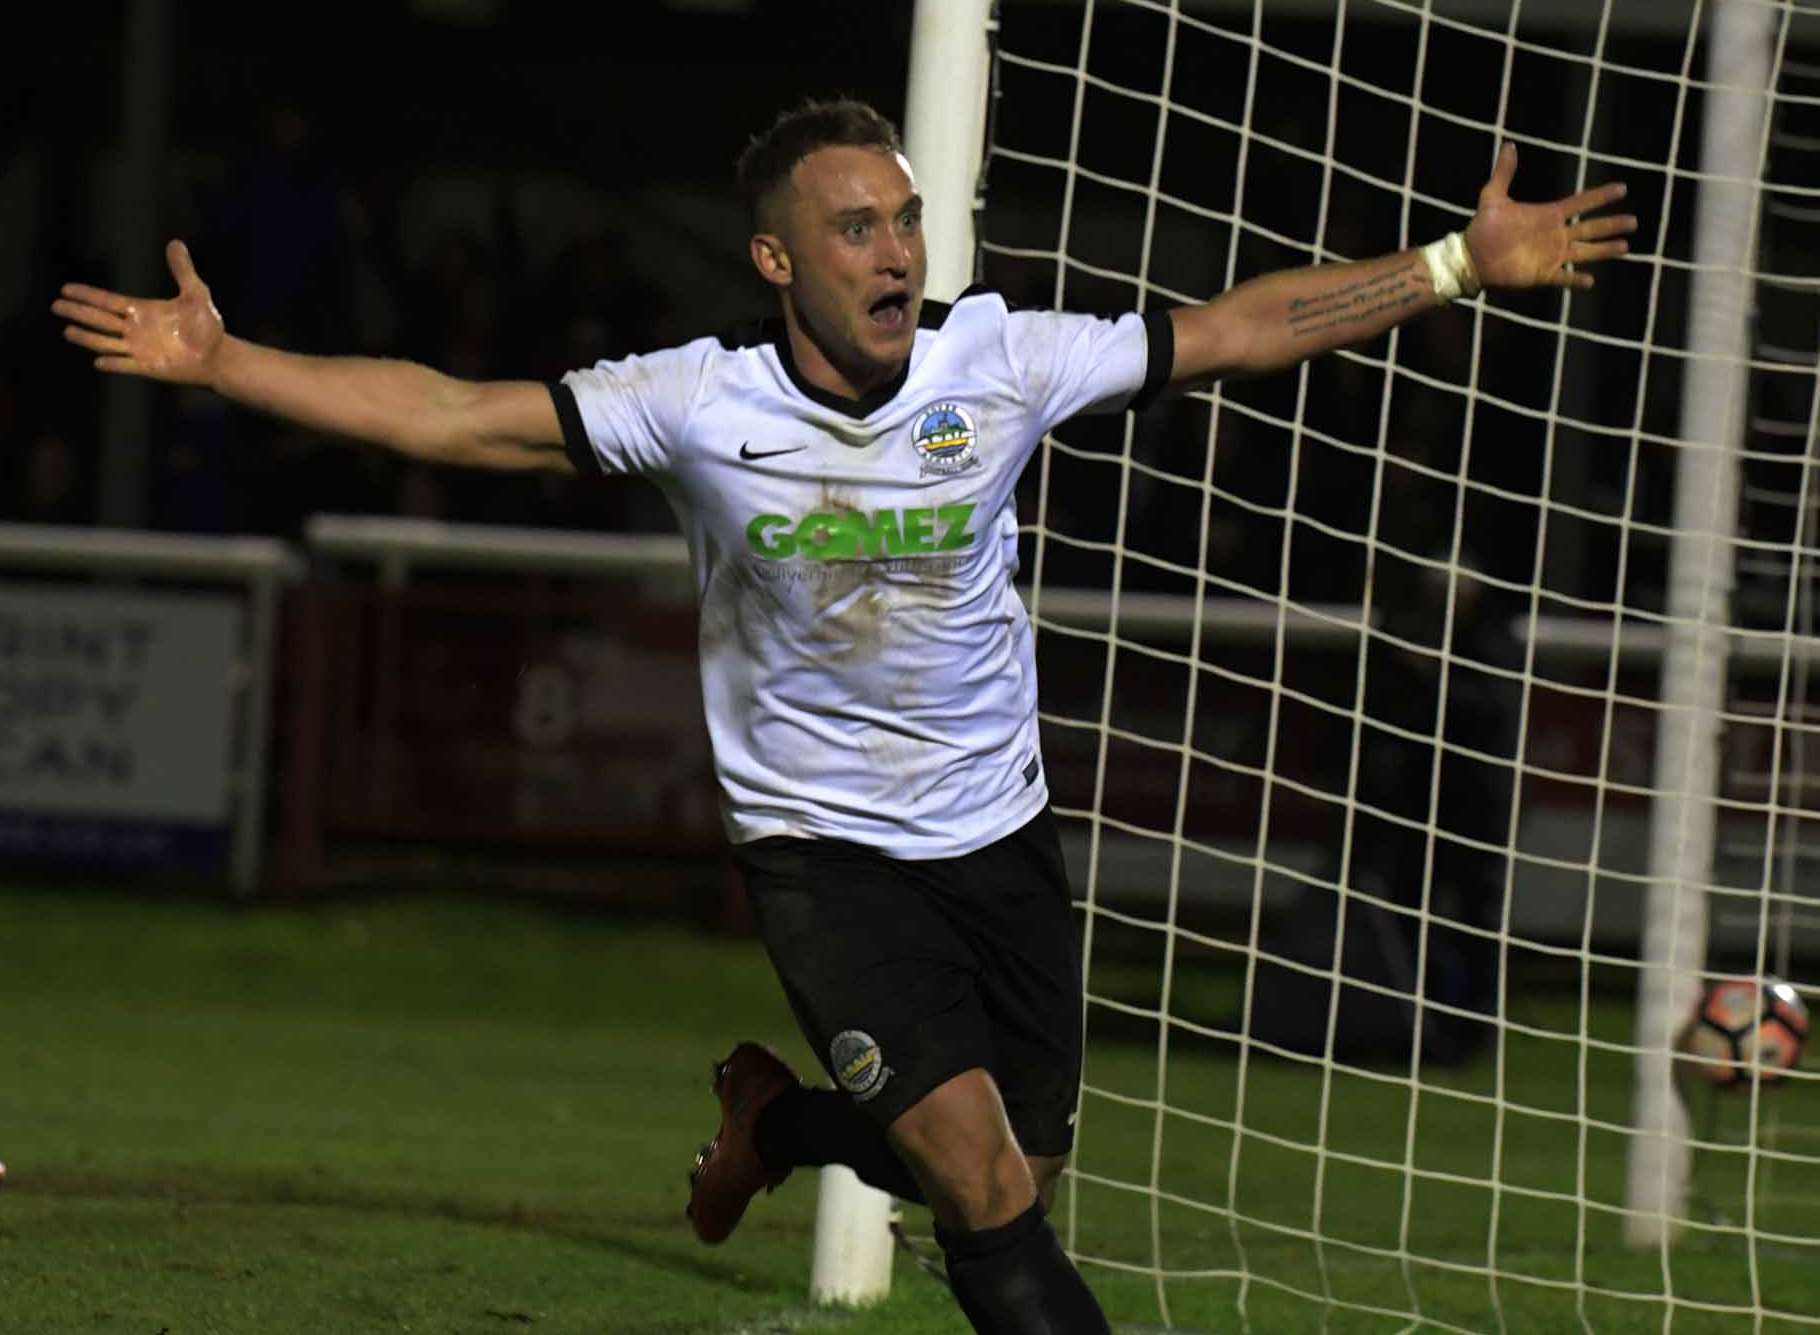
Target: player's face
[854,236]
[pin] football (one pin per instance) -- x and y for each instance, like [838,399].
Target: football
[1742,1031]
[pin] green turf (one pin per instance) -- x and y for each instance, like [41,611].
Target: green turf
[1411,1173]
[462,1115]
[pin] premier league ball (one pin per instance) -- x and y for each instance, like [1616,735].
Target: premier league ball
[1742,1031]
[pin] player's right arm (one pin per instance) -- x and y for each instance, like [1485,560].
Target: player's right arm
[401,405]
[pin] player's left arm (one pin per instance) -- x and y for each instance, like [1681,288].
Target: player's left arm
[1282,319]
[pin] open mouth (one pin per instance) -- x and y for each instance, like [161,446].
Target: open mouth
[890,311]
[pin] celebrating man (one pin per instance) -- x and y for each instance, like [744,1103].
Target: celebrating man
[844,475]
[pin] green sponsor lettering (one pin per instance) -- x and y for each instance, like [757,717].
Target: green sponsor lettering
[827,537]
[877,535]
[919,531]
[844,535]
[955,535]
[890,534]
[776,549]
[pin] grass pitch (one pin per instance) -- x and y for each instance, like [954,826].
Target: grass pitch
[466,1115]
[452,1116]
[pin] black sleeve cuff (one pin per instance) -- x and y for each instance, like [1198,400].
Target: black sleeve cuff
[574,434]
[1159,333]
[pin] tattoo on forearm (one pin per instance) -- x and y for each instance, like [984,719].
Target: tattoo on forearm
[1355,302]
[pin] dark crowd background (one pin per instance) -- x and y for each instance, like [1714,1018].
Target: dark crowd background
[496,190]
[511,190]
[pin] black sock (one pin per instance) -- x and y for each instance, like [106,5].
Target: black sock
[814,1127]
[1016,1280]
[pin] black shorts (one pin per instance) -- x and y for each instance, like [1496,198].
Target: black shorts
[903,974]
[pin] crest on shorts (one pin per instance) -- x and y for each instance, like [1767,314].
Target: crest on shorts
[945,438]
[858,1066]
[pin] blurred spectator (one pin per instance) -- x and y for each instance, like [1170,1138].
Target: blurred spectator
[1419,797]
[47,431]
[423,492]
[274,244]
[195,465]
[451,319]
[595,305]
[1422,773]
[50,489]
[369,219]
[592,305]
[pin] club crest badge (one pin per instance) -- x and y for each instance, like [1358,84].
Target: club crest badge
[858,1065]
[945,439]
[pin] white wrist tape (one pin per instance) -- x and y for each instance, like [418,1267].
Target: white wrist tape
[1450,267]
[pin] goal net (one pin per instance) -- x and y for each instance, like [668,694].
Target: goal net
[1430,723]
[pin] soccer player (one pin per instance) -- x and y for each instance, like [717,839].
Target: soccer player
[844,475]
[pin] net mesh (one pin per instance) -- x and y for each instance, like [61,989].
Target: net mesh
[1353,675]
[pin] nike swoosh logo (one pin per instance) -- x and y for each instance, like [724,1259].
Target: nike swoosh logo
[747,452]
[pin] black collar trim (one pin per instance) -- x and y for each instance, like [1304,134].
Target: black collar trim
[864,406]
[771,330]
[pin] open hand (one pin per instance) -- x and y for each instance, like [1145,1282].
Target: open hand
[1535,245]
[175,339]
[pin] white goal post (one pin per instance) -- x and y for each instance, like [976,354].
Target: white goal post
[1714,397]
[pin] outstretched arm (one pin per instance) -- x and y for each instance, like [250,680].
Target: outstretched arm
[1282,319]
[398,404]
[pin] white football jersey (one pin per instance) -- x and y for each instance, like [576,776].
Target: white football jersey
[867,667]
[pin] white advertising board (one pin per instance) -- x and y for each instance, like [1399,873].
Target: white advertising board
[117,703]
